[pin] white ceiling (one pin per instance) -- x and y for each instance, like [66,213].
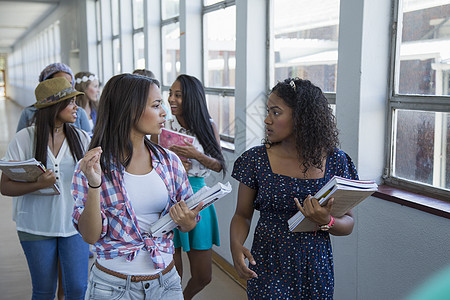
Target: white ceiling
[17,17]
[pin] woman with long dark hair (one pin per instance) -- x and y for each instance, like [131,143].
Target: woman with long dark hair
[124,184]
[188,105]
[44,222]
[298,157]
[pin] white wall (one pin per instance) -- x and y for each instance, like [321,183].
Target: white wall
[398,248]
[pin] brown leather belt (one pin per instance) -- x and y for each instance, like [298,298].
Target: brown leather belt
[133,277]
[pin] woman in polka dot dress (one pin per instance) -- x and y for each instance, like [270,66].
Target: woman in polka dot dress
[298,156]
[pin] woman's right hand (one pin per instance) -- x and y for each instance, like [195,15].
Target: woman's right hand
[47,179]
[90,165]
[239,254]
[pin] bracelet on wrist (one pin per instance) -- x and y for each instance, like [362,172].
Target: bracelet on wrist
[328,226]
[94,187]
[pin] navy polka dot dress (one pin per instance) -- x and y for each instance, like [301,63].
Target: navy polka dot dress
[290,265]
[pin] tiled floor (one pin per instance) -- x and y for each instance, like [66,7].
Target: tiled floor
[15,282]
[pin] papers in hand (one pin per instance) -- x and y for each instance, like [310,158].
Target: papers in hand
[27,171]
[347,193]
[208,195]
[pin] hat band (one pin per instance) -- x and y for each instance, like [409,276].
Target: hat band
[57,96]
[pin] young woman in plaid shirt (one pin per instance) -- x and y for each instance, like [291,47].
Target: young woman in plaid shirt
[123,184]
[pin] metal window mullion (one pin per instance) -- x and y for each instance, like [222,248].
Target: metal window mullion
[169,21]
[434,106]
[138,30]
[218,6]
[225,92]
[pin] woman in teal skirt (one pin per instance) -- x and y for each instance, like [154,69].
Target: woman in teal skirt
[190,116]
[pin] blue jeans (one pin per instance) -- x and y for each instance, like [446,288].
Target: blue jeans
[104,286]
[42,257]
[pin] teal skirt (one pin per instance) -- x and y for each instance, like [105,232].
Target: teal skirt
[206,233]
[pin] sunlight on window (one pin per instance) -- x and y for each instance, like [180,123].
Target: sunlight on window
[220,47]
[424,64]
[171,52]
[306,42]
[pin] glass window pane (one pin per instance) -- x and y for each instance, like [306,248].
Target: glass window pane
[221,110]
[220,47]
[138,14]
[166,105]
[115,16]
[424,62]
[306,42]
[139,55]
[422,147]
[116,57]
[170,8]
[171,52]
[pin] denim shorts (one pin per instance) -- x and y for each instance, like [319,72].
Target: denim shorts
[105,286]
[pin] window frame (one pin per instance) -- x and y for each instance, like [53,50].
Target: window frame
[216,91]
[430,103]
[165,22]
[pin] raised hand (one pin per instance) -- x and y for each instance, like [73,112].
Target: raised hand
[90,165]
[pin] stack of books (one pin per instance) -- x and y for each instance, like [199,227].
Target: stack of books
[208,195]
[27,171]
[347,193]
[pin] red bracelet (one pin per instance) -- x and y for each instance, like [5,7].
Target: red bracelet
[329,225]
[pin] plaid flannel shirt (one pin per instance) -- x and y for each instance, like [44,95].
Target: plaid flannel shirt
[120,233]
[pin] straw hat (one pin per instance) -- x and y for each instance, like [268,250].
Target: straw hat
[54,90]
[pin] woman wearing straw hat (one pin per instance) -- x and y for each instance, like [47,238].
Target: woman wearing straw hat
[44,222]
[52,71]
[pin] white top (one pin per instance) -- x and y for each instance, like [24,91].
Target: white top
[197,169]
[47,215]
[148,196]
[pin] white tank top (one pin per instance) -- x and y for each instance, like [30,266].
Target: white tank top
[148,196]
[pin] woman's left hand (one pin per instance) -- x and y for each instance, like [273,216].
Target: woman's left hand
[187,151]
[312,210]
[185,217]
[187,164]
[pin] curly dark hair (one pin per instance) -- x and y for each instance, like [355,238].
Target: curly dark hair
[314,123]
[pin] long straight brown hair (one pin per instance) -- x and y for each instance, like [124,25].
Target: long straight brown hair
[44,120]
[121,105]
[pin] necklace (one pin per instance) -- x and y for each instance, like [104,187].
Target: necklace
[58,129]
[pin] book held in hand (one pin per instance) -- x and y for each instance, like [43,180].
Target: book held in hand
[208,195]
[27,171]
[347,193]
[168,138]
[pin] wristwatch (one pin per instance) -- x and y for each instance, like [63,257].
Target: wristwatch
[328,226]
